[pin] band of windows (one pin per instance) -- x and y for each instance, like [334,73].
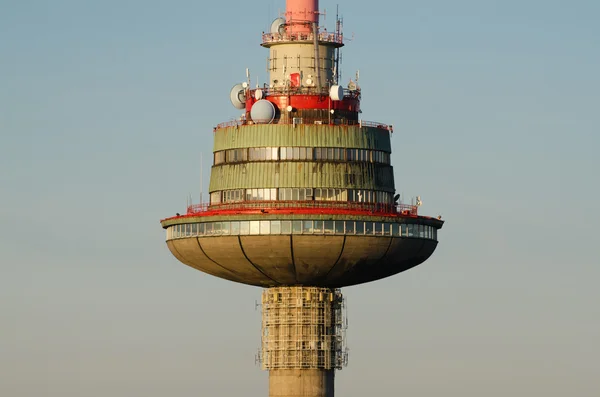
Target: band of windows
[300,194]
[300,153]
[270,227]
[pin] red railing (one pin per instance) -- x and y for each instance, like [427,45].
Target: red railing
[331,207]
[304,120]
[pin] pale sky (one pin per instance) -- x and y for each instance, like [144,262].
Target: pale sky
[106,106]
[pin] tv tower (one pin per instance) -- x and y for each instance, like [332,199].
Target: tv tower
[302,203]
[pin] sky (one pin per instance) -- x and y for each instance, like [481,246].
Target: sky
[106,108]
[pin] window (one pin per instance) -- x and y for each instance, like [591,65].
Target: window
[307,227]
[265,227]
[275,227]
[296,227]
[286,227]
[318,227]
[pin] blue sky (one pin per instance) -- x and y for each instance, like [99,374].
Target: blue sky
[105,108]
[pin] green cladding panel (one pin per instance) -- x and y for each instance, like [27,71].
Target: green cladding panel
[275,174]
[308,135]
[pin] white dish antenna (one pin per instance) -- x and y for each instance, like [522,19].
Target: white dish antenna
[278,26]
[238,96]
[336,92]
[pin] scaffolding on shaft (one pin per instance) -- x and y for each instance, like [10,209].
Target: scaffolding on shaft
[303,328]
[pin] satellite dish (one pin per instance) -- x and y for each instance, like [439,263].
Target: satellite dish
[278,26]
[262,112]
[289,108]
[258,94]
[309,81]
[238,96]
[396,197]
[336,93]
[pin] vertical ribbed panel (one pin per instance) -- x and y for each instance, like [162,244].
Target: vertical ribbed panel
[302,174]
[309,135]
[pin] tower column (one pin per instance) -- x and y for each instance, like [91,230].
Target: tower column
[302,340]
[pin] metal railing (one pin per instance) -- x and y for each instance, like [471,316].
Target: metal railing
[268,38]
[328,206]
[305,120]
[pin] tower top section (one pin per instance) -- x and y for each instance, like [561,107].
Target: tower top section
[300,15]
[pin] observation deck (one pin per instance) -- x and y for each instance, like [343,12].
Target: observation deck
[334,39]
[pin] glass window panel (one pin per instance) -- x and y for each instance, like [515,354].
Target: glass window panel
[318,153]
[339,227]
[302,154]
[435,234]
[330,153]
[301,194]
[265,227]
[296,153]
[275,153]
[235,228]
[283,154]
[260,194]
[290,153]
[349,227]
[281,194]
[328,227]
[360,227]
[268,153]
[208,228]
[343,195]
[244,227]
[307,227]
[368,228]
[254,227]
[201,229]
[295,194]
[411,230]
[194,229]
[296,227]
[387,229]
[286,227]
[225,227]
[395,229]
[275,227]
[309,153]
[217,227]
[318,227]
[378,228]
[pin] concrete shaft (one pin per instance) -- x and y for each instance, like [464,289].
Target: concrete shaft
[301,383]
[302,340]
